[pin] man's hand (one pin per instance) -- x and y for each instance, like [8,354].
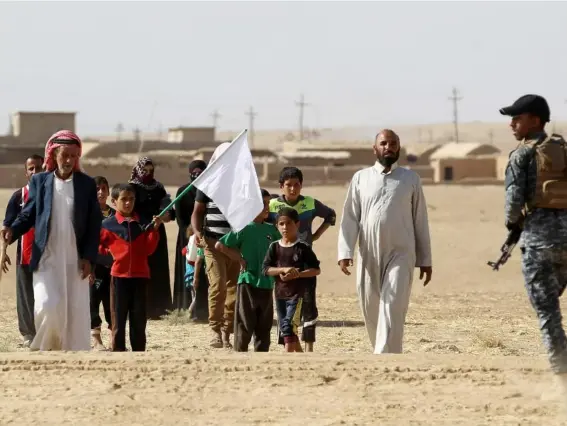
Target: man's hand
[5,264]
[166,217]
[158,221]
[344,264]
[199,241]
[427,271]
[6,234]
[85,268]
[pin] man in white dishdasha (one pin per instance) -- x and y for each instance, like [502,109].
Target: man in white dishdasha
[385,210]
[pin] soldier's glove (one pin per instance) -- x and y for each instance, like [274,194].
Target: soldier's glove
[513,226]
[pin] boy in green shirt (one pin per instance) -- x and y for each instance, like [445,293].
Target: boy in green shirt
[254,311]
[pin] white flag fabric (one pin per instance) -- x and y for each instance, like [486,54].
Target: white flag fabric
[230,180]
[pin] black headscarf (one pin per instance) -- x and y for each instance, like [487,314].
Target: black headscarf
[196,164]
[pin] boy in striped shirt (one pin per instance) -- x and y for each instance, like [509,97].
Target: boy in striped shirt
[209,226]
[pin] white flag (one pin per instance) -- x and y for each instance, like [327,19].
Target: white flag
[231,182]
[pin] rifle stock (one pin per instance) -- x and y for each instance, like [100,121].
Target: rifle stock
[506,249]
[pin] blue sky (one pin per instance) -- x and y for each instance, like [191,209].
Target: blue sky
[358,63]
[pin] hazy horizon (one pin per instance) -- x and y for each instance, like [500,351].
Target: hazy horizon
[358,63]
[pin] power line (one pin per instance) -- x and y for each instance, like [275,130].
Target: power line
[455,98]
[215,114]
[301,104]
[251,115]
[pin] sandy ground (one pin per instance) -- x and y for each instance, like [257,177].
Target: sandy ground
[473,351]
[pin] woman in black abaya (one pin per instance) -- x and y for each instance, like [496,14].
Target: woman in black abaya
[151,199]
[183,211]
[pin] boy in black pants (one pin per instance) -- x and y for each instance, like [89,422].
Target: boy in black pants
[100,278]
[254,310]
[24,275]
[123,236]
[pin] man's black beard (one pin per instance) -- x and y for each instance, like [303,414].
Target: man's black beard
[388,161]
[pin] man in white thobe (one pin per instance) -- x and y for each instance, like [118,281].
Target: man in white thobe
[385,211]
[63,208]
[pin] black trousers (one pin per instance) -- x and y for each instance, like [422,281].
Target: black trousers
[128,302]
[254,315]
[25,301]
[309,312]
[100,293]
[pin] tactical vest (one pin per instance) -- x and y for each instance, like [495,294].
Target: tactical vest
[551,181]
[305,205]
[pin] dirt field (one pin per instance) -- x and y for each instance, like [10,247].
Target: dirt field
[473,351]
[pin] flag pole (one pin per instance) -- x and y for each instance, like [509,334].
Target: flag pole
[186,190]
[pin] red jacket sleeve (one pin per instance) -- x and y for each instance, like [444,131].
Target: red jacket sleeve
[105,240]
[152,240]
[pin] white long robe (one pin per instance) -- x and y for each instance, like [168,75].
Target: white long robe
[387,213]
[62,313]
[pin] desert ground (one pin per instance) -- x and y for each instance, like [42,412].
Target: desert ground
[473,354]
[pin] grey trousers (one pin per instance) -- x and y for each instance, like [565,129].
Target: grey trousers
[25,301]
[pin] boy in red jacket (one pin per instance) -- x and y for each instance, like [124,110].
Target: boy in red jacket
[123,236]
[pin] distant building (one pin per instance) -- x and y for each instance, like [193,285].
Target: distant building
[420,154]
[35,128]
[464,150]
[465,161]
[188,135]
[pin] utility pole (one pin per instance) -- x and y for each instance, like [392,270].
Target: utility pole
[455,98]
[10,125]
[160,132]
[430,132]
[301,104]
[419,135]
[251,115]
[215,114]
[137,134]
[119,129]
[491,137]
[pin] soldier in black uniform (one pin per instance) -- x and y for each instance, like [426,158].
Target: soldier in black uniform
[534,185]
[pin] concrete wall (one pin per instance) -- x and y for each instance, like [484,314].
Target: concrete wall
[12,176]
[18,154]
[34,128]
[191,135]
[424,172]
[501,163]
[465,168]
[8,140]
[113,149]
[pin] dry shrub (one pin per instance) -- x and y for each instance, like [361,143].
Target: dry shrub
[177,317]
[489,342]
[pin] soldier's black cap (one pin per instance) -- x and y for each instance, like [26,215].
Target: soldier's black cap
[528,104]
